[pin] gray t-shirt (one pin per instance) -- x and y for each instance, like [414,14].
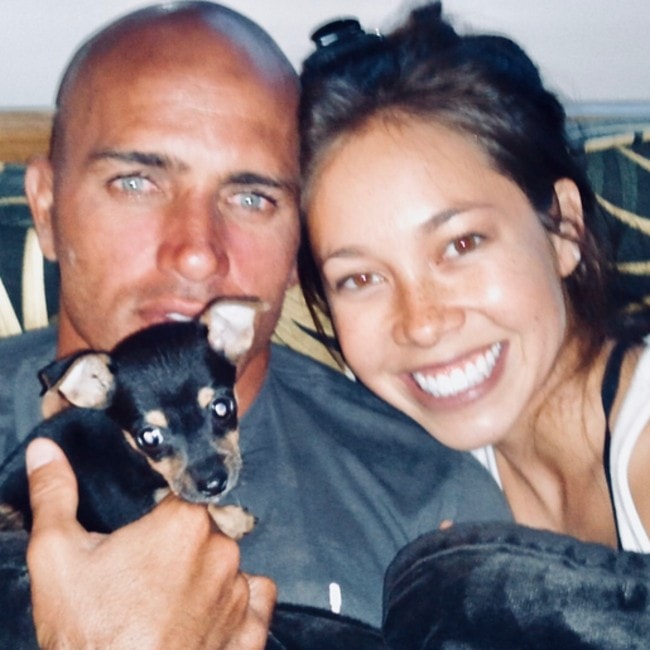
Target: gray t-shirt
[339,480]
[21,357]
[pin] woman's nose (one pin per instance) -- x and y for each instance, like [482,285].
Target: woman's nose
[424,315]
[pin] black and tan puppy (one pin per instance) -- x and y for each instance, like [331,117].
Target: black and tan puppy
[158,413]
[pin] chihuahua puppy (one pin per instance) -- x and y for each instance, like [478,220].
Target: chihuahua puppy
[156,414]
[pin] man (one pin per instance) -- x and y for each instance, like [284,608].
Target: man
[172,179]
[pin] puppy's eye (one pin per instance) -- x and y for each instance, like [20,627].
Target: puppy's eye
[150,438]
[223,407]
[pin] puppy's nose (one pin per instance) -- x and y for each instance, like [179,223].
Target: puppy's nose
[213,485]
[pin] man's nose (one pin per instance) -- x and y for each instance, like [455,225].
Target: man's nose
[424,315]
[194,244]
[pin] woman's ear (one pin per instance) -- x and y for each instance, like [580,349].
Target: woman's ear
[567,242]
[40,196]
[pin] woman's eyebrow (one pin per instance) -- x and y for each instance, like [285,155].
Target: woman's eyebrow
[436,220]
[439,218]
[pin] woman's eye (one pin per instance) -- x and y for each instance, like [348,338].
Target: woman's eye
[150,438]
[358,281]
[463,245]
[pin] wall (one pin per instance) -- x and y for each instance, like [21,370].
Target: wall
[589,50]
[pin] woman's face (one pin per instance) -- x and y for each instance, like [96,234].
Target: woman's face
[444,287]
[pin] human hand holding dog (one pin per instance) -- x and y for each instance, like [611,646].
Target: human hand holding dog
[167,580]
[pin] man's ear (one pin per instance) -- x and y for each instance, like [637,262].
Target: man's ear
[39,188]
[293,277]
[567,242]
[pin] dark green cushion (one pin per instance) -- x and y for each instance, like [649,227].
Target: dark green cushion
[619,170]
[15,220]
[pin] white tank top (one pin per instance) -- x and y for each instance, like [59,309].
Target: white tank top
[631,420]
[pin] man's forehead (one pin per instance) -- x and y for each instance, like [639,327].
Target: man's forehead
[188,42]
[210,77]
[182,73]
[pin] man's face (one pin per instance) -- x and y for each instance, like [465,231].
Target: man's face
[177,184]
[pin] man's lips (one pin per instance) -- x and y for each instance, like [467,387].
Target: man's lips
[170,311]
[175,316]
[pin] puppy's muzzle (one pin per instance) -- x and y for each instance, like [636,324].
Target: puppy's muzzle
[210,481]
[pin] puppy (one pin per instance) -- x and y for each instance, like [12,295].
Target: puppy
[157,414]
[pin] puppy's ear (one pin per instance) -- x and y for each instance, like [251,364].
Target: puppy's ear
[231,325]
[88,381]
[52,374]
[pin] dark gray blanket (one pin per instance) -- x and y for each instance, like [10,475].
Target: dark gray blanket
[506,587]
[472,587]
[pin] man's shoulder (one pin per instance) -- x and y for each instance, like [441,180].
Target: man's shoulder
[326,415]
[36,346]
[313,381]
[21,357]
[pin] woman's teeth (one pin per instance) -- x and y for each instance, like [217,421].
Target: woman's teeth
[462,378]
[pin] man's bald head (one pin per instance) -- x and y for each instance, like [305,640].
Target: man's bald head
[193,31]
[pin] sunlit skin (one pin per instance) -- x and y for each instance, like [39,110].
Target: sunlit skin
[174,187]
[446,295]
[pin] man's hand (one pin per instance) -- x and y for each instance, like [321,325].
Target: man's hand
[165,581]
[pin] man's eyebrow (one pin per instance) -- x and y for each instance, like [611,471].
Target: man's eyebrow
[165,162]
[252,178]
[148,159]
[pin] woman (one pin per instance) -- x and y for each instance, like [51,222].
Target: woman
[452,244]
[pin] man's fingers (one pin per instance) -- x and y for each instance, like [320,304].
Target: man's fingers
[52,485]
[253,633]
[263,594]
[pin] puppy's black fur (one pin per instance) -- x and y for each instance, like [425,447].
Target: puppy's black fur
[162,416]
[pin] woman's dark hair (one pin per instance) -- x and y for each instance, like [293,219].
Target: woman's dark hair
[482,86]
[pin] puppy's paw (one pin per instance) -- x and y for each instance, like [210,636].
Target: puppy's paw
[233,521]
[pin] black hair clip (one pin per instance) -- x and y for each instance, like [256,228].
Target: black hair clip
[336,40]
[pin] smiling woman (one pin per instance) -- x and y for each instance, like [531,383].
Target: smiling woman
[454,242]
[421,280]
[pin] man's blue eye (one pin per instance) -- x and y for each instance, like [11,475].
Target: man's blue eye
[251,201]
[133,184]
